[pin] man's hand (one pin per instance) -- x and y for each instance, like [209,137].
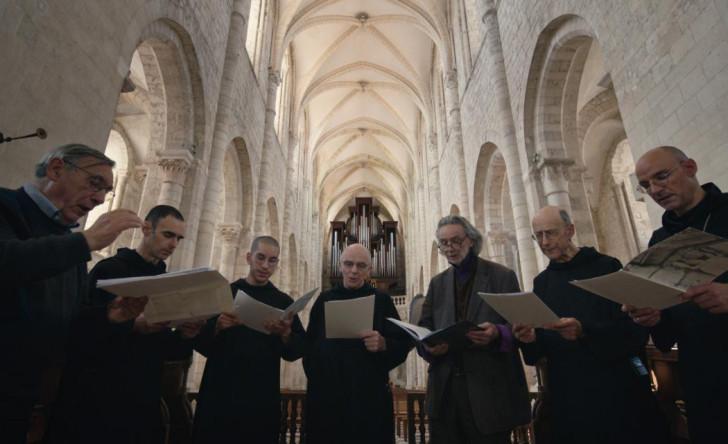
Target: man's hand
[486,334]
[108,227]
[712,297]
[190,329]
[569,328]
[123,309]
[646,317]
[437,350]
[280,328]
[373,341]
[143,327]
[524,333]
[225,321]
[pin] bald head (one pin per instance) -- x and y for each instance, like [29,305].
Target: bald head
[355,266]
[670,178]
[553,230]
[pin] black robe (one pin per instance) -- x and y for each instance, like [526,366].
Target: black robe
[595,393]
[349,400]
[239,399]
[111,387]
[702,337]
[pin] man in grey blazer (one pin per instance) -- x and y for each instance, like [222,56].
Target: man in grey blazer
[476,394]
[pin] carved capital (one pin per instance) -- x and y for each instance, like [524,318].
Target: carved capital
[139,174]
[230,232]
[451,79]
[274,78]
[174,165]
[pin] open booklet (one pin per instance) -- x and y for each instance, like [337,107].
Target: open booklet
[658,275]
[520,308]
[453,336]
[254,314]
[198,293]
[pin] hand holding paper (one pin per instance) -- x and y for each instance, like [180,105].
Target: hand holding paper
[348,319]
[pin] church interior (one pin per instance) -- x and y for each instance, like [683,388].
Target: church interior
[329,122]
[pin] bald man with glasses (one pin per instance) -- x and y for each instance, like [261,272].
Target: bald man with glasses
[700,326]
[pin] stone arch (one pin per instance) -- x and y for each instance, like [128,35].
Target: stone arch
[481,178]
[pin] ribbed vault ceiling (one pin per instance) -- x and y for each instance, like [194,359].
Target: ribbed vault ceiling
[362,71]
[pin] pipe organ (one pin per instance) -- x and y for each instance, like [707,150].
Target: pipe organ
[365,226]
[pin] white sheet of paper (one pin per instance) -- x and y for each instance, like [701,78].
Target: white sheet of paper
[347,319]
[520,308]
[198,293]
[624,287]
[299,304]
[253,313]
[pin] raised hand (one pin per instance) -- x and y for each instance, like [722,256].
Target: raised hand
[123,309]
[524,333]
[225,321]
[373,341]
[109,226]
[569,328]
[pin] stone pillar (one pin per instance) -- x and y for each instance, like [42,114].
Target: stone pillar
[174,166]
[433,159]
[121,178]
[494,48]
[554,176]
[455,137]
[269,142]
[230,235]
[225,122]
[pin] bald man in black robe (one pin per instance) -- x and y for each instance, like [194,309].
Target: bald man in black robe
[348,398]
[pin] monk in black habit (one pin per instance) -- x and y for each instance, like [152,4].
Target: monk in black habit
[348,398]
[239,398]
[112,385]
[598,388]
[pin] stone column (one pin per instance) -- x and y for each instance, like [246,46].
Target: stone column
[494,48]
[554,176]
[230,235]
[225,122]
[433,160]
[121,178]
[269,143]
[455,137]
[174,166]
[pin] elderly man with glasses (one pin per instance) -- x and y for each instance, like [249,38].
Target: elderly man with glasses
[596,381]
[43,269]
[700,326]
[477,394]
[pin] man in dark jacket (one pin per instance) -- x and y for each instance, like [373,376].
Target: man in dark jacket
[699,326]
[476,394]
[348,398]
[43,270]
[239,398]
[111,387]
[598,388]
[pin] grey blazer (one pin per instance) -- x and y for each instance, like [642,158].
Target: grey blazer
[495,379]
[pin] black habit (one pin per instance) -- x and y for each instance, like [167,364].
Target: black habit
[595,391]
[43,272]
[111,387]
[239,398]
[702,337]
[349,400]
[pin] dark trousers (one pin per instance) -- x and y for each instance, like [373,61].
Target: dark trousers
[455,425]
[15,416]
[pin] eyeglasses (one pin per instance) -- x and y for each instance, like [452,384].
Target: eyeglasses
[540,236]
[454,242]
[95,182]
[659,179]
[351,264]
